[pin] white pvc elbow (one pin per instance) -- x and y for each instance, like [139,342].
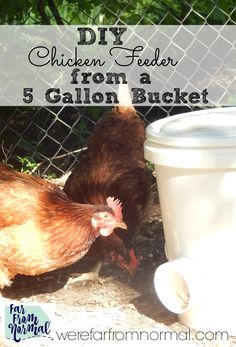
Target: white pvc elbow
[180,284]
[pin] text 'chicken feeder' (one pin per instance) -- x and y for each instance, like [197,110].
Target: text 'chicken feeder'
[195,163]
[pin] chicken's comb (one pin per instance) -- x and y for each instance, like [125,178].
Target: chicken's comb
[116,207]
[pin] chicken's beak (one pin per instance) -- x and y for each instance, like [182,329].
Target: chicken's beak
[120,224]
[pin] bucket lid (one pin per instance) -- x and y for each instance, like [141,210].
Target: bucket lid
[200,139]
[206,128]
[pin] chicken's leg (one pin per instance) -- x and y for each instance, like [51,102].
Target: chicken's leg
[5,277]
[93,275]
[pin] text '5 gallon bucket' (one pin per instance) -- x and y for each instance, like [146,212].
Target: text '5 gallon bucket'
[195,162]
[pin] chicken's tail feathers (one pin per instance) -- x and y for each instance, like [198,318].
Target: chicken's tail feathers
[125,102]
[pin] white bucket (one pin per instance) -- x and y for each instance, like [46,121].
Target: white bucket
[195,162]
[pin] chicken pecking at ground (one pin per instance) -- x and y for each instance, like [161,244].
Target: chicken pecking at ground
[114,164]
[42,230]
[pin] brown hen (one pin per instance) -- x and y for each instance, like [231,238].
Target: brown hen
[42,230]
[114,164]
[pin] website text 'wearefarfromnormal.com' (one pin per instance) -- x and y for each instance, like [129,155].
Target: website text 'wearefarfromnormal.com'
[144,336]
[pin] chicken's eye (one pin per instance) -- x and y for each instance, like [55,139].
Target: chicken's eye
[105,216]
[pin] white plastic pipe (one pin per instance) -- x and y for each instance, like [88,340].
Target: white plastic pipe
[180,284]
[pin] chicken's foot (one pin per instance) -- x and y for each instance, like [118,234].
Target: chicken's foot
[93,275]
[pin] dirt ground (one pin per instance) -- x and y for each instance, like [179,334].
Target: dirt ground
[119,302]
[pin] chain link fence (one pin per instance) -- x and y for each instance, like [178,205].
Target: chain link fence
[47,141]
